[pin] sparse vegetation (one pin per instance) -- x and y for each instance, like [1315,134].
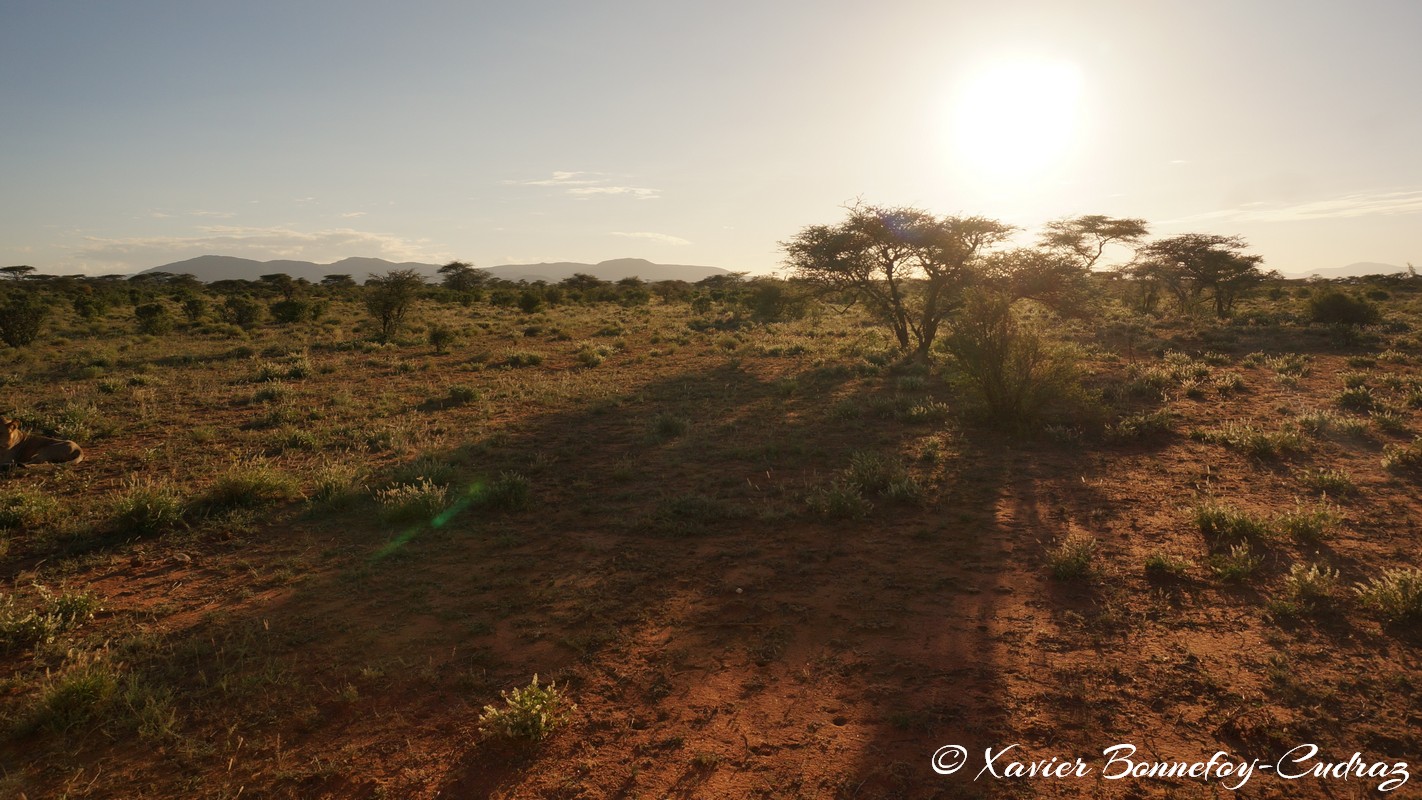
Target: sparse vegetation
[1395,595]
[1072,558]
[529,713]
[282,525]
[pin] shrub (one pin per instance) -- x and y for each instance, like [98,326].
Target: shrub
[241,310]
[194,308]
[590,355]
[153,318]
[293,310]
[1396,595]
[1337,308]
[530,301]
[441,337]
[89,308]
[21,319]
[529,714]
[390,297]
[1015,369]
[460,394]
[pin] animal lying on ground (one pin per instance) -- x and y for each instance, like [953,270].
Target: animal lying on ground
[21,449]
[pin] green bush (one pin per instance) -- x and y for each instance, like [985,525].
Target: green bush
[1018,373]
[241,310]
[1333,307]
[21,318]
[293,310]
[441,337]
[153,318]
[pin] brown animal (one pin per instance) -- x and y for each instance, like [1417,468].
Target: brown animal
[22,448]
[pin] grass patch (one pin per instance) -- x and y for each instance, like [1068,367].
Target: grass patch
[250,484]
[1395,595]
[1072,558]
[1224,525]
[147,507]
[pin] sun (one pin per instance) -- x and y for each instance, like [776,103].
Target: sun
[1016,118]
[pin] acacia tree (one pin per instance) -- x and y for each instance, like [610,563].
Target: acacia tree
[462,277]
[908,266]
[1085,238]
[389,297]
[1191,264]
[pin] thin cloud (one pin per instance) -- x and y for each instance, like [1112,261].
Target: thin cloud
[353,214]
[561,179]
[659,238]
[212,214]
[136,253]
[1351,206]
[639,192]
[586,184]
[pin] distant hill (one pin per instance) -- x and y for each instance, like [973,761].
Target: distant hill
[225,268]
[614,270]
[1354,270]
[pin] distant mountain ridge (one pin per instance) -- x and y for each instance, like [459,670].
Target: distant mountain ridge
[226,268]
[1354,270]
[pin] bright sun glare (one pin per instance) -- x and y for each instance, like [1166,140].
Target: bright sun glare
[1017,118]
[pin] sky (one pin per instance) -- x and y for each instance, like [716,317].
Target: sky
[141,133]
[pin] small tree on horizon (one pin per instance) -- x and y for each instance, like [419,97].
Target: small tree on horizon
[389,297]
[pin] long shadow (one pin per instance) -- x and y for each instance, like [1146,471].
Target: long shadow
[716,636]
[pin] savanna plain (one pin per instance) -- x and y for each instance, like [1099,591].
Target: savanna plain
[748,545]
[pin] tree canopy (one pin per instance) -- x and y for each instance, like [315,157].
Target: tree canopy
[907,265]
[1192,265]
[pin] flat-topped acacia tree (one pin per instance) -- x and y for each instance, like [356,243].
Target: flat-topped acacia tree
[907,265]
